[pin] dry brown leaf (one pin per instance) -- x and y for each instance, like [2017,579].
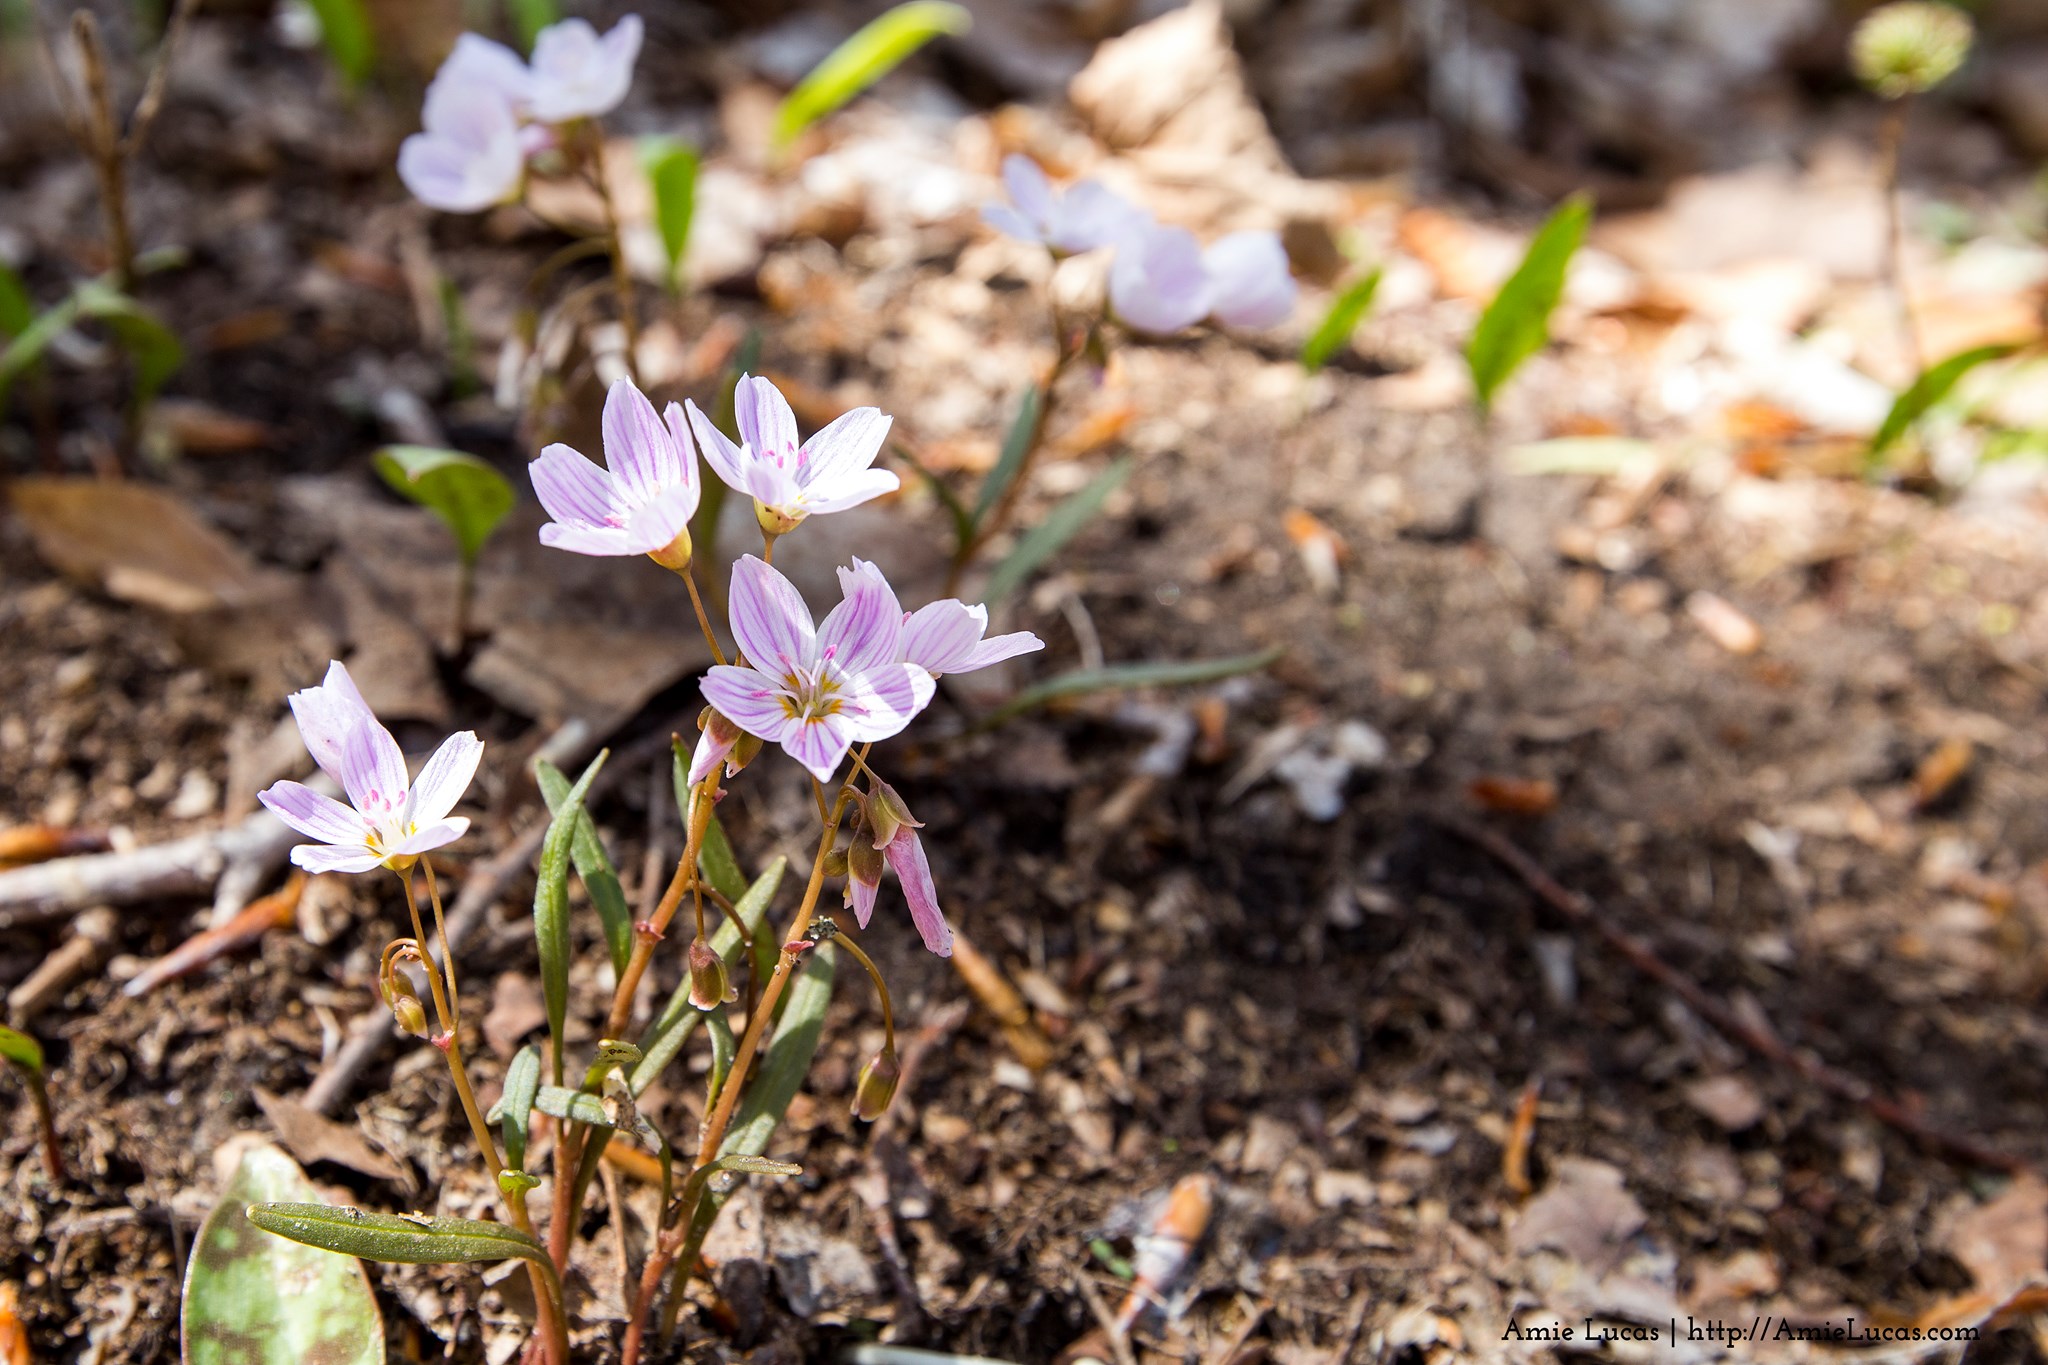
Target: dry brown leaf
[1514,1156]
[1586,1212]
[1529,796]
[137,543]
[313,1137]
[2003,1244]
[1939,772]
[197,428]
[252,328]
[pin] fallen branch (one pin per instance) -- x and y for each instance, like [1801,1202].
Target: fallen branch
[1752,1034]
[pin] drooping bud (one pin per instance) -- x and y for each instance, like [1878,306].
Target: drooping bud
[1909,47]
[774,521]
[887,814]
[709,987]
[864,866]
[835,863]
[676,554]
[876,1085]
[410,1014]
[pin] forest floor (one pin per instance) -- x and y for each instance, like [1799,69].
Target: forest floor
[1783,725]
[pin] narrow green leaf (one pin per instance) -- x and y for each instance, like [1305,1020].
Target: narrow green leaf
[723,1048]
[529,17]
[345,30]
[22,1050]
[594,866]
[1933,385]
[251,1300]
[671,168]
[559,1101]
[1123,677]
[17,311]
[1016,445]
[963,520]
[1333,333]
[782,1072]
[1044,540]
[1516,325]
[863,59]
[469,496]
[155,351]
[29,344]
[404,1239]
[551,909]
[515,1106]
[666,1036]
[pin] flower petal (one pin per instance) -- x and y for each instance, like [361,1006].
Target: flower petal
[637,447]
[842,449]
[861,896]
[878,703]
[940,635]
[1029,190]
[747,698]
[1093,215]
[587,540]
[766,422]
[656,525]
[998,648]
[314,814]
[818,744]
[905,854]
[445,777]
[318,858]
[852,492]
[575,491]
[863,631]
[373,771]
[1157,282]
[429,837]
[1250,281]
[1010,223]
[769,619]
[710,752]
[327,715]
[728,461]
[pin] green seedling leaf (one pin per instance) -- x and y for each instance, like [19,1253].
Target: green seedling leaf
[666,1036]
[1123,677]
[345,30]
[559,1101]
[781,1075]
[863,59]
[529,17]
[469,496]
[671,167]
[1016,445]
[403,1239]
[1116,1265]
[17,311]
[551,908]
[1516,325]
[1933,385]
[515,1106]
[963,520]
[1045,539]
[155,350]
[1333,333]
[22,1050]
[256,1300]
[600,878]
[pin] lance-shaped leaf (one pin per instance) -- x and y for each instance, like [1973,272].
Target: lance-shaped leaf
[22,1050]
[401,1238]
[1124,677]
[469,496]
[345,32]
[155,351]
[1516,324]
[551,908]
[1933,385]
[1016,445]
[515,1106]
[559,1101]
[666,1036]
[870,54]
[1048,537]
[593,865]
[737,1163]
[671,167]
[256,1300]
[1333,333]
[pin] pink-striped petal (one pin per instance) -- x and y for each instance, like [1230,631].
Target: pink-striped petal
[574,491]
[905,854]
[640,451]
[940,636]
[818,744]
[842,449]
[445,777]
[728,461]
[313,814]
[851,492]
[998,648]
[878,703]
[710,752]
[769,619]
[589,540]
[861,896]
[429,837]
[317,858]
[327,715]
[863,630]
[373,771]
[748,699]
[766,422]
[666,516]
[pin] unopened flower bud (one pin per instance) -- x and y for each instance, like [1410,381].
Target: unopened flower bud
[835,863]
[676,555]
[709,987]
[864,863]
[876,1085]
[410,1014]
[743,752]
[516,1182]
[1909,47]
[887,814]
[774,521]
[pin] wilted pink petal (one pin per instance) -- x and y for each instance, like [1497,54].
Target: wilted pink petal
[906,859]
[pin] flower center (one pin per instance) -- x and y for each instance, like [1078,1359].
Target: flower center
[810,694]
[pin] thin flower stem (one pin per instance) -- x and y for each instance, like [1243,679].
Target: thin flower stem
[622,279]
[648,933]
[1890,141]
[689,575]
[881,986]
[768,540]
[46,1126]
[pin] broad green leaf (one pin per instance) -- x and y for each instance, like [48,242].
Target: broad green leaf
[1124,677]
[551,908]
[403,1239]
[600,879]
[1333,333]
[666,1036]
[863,59]
[671,167]
[1933,385]
[1044,540]
[17,311]
[963,520]
[515,1106]
[1016,445]
[22,1050]
[1516,325]
[529,17]
[469,496]
[345,30]
[781,1073]
[256,1300]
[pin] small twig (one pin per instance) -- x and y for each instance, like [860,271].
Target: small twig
[159,73]
[1119,1345]
[1757,1037]
[182,867]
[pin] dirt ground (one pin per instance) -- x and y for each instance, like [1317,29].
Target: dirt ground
[1784,725]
